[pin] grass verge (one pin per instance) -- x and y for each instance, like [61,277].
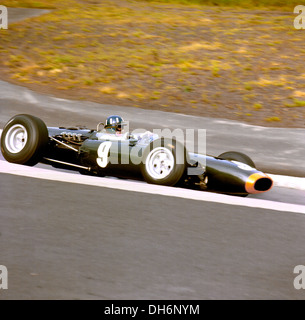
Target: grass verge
[201,60]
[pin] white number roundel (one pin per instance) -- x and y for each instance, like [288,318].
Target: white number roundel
[102,153]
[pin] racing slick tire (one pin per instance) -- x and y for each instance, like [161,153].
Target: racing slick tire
[237,156]
[164,162]
[24,139]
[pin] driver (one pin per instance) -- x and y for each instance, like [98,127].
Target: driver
[113,129]
[114,125]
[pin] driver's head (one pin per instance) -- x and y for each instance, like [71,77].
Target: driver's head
[114,124]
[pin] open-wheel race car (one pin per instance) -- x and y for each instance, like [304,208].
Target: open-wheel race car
[109,151]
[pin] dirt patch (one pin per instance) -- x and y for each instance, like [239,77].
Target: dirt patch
[225,63]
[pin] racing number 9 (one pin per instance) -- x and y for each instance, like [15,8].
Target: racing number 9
[102,153]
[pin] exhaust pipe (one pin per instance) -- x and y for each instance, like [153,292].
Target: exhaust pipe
[258,183]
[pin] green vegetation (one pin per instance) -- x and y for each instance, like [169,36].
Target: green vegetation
[273,119]
[31,3]
[296,103]
[209,61]
[283,4]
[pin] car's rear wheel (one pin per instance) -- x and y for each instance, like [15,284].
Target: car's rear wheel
[240,157]
[237,156]
[164,162]
[24,139]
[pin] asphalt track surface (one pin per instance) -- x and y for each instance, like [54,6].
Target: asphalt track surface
[64,240]
[85,242]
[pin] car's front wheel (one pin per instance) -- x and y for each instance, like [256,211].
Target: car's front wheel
[164,162]
[24,139]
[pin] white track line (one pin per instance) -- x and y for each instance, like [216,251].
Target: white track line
[134,186]
[288,182]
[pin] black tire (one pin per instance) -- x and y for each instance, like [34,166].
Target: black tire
[237,156]
[24,139]
[174,166]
